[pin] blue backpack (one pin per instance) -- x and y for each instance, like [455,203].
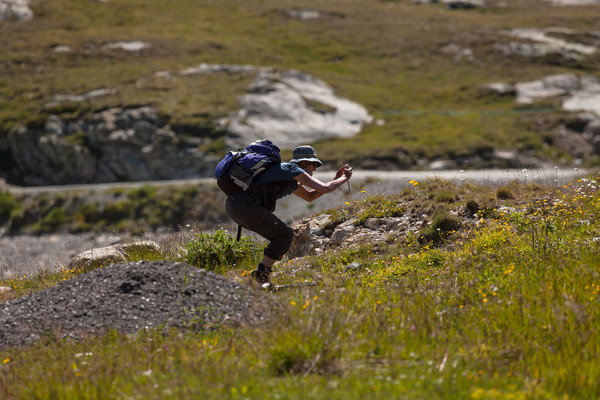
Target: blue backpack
[235,172]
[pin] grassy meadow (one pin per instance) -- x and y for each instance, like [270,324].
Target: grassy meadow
[390,56]
[503,305]
[498,298]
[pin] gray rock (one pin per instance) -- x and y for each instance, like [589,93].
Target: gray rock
[55,125]
[66,161]
[500,88]
[573,142]
[77,98]
[204,69]
[125,162]
[122,144]
[303,242]
[304,15]
[111,254]
[355,266]
[292,108]
[173,162]
[134,46]
[587,99]
[573,2]
[342,232]
[439,165]
[540,42]
[61,48]
[374,223]
[459,53]
[463,4]
[15,10]
[592,129]
[549,86]
[317,225]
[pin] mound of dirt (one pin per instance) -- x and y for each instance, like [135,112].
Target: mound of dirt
[129,297]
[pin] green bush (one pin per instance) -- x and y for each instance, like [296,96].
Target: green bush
[142,193]
[221,250]
[117,212]
[53,220]
[7,205]
[442,225]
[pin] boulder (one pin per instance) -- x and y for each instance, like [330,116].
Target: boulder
[292,108]
[303,243]
[15,10]
[587,99]
[342,232]
[592,129]
[549,86]
[111,254]
[540,42]
[573,143]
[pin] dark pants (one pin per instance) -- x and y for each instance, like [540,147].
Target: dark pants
[244,209]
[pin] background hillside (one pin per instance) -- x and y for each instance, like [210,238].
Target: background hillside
[421,70]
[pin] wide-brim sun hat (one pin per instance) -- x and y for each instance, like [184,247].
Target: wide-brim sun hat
[305,153]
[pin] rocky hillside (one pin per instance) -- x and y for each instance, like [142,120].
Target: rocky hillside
[408,84]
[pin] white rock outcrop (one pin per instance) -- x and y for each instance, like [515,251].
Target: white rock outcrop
[15,10]
[292,108]
[537,42]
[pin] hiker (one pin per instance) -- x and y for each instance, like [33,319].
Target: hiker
[253,209]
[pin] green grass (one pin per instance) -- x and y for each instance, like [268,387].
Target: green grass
[386,55]
[504,308]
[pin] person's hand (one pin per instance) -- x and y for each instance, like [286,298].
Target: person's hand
[348,171]
[340,171]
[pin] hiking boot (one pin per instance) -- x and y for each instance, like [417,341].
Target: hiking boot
[261,274]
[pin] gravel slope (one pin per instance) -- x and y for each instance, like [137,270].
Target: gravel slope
[129,297]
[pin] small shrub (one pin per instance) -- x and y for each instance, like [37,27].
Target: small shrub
[220,250]
[8,203]
[444,196]
[443,223]
[116,212]
[298,353]
[52,221]
[142,193]
[89,212]
[471,207]
[504,193]
[379,207]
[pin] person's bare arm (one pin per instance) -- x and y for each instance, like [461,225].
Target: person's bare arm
[311,188]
